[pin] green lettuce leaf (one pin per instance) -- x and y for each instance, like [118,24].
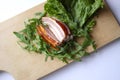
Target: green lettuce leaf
[74,13]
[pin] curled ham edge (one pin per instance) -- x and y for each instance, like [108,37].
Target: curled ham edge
[55,33]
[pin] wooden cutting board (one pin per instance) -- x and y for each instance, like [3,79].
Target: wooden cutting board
[28,66]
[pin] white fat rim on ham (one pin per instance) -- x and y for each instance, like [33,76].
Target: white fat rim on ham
[55,28]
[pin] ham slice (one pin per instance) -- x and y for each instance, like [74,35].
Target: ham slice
[54,31]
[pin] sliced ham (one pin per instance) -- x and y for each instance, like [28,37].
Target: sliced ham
[54,31]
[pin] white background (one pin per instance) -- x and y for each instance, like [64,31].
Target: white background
[101,65]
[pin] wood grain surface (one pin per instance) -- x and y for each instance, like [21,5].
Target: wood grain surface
[30,66]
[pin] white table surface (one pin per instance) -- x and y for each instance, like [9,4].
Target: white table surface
[103,65]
